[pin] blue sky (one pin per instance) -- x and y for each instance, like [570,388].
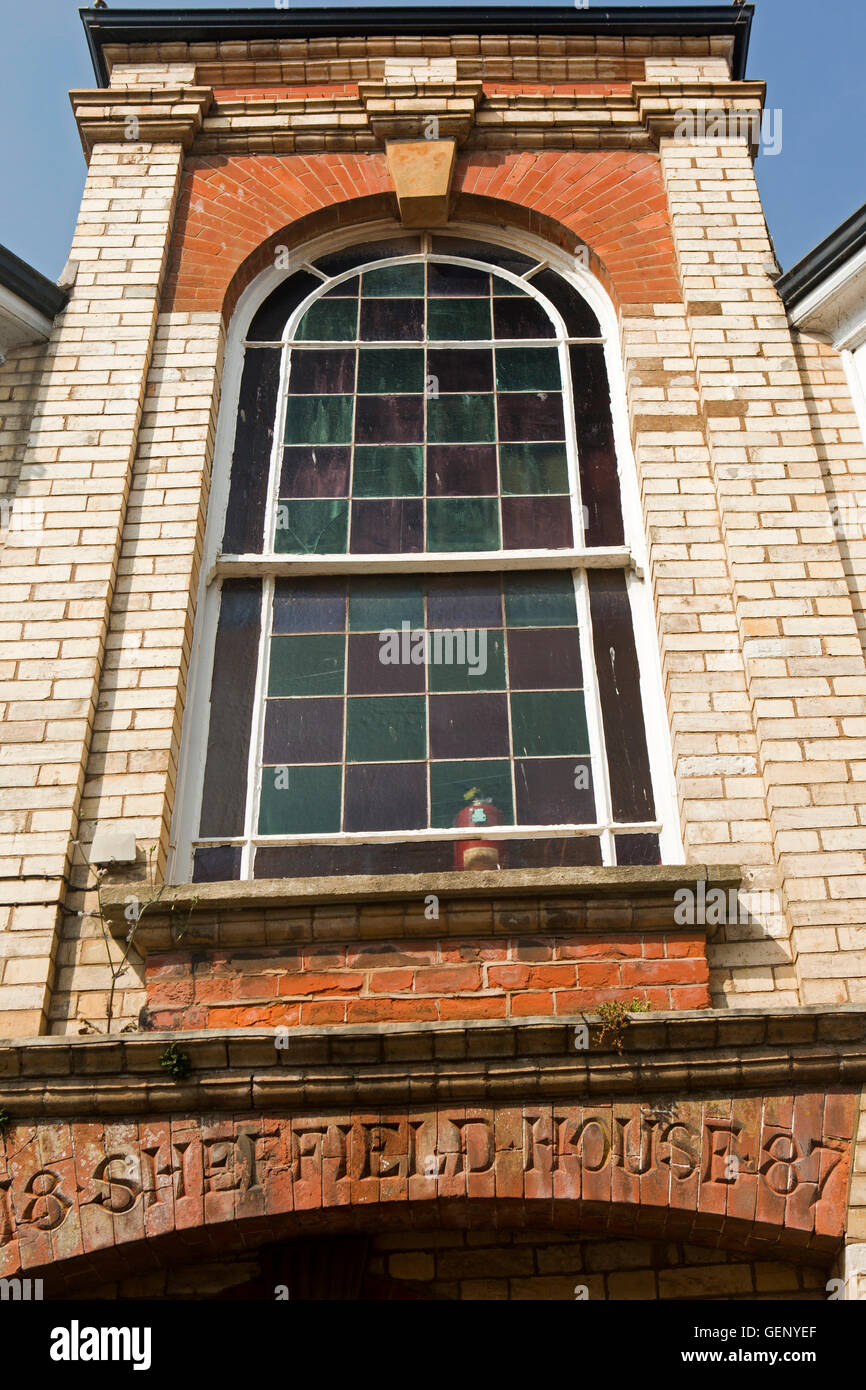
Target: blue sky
[810,54]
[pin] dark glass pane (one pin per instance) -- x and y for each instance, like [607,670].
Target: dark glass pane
[372,669]
[334,320]
[317,371]
[533,468]
[389,420]
[468,726]
[394,281]
[520,318]
[461,419]
[561,852]
[548,723]
[547,659]
[554,791]
[315,471]
[528,369]
[619,691]
[318,861]
[307,665]
[529,415]
[457,319]
[231,708]
[466,523]
[390,369]
[309,605]
[392,320]
[470,250]
[637,849]
[216,864]
[344,289]
[542,523]
[382,729]
[388,470]
[271,317]
[599,478]
[471,661]
[385,602]
[387,527]
[319,420]
[461,470]
[254,438]
[580,321]
[452,786]
[316,527]
[464,601]
[300,800]
[539,600]
[388,796]
[456,280]
[336,262]
[461,369]
[303,731]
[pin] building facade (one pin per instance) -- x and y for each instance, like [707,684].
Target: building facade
[432,680]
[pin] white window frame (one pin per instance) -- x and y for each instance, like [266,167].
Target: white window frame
[631,557]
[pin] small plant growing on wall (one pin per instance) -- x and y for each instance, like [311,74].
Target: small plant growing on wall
[614,1015]
[176,1062]
[5,1118]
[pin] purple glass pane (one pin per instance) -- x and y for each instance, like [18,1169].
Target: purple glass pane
[637,849]
[530,416]
[580,321]
[369,675]
[516,317]
[618,677]
[309,605]
[272,316]
[320,470]
[468,726]
[544,659]
[462,470]
[303,731]
[317,861]
[561,852]
[346,289]
[389,419]
[599,477]
[392,320]
[461,369]
[554,791]
[216,864]
[387,528]
[542,523]
[459,280]
[386,796]
[254,437]
[319,372]
[231,709]
[471,600]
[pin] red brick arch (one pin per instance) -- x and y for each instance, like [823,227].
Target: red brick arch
[78,1201]
[234,210]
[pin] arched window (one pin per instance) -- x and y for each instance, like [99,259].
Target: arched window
[424,654]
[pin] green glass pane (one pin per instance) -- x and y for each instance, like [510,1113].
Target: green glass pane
[449,783]
[533,468]
[319,420]
[548,723]
[300,800]
[388,470]
[390,370]
[312,526]
[377,604]
[472,659]
[332,320]
[461,420]
[311,665]
[458,319]
[540,600]
[386,729]
[527,369]
[393,281]
[463,523]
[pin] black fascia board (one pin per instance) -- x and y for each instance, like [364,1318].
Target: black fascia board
[820,262]
[105,27]
[31,285]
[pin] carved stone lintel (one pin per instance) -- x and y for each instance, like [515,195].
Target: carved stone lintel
[133,115]
[412,110]
[421,171]
[701,110]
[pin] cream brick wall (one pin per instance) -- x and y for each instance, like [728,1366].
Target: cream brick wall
[19,380]
[796,625]
[56,587]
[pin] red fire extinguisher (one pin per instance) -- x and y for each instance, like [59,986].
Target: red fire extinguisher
[477,853]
